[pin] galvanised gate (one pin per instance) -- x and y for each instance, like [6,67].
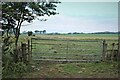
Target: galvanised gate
[64,50]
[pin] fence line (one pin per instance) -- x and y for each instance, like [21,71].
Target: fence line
[64,61]
[104,51]
[109,54]
[66,44]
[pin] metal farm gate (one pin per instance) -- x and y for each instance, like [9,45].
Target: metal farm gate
[64,50]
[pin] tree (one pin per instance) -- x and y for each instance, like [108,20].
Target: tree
[30,33]
[44,31]
[36,31]
[15,13]
[41,32]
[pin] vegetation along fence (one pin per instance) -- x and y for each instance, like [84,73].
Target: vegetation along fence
[23,53]
[110,50]
[64,50]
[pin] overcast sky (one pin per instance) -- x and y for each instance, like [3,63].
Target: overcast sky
[79,17]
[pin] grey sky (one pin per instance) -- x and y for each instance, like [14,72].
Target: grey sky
[80,17]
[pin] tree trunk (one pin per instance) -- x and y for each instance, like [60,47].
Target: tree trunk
[16,39]
[18,32]
[7,32]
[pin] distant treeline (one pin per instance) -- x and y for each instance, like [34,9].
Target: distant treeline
[105,33]
[96,33]
[57,33]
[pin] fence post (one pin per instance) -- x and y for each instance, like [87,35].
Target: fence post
[119,57]
[118,52]
[29,52]
[24,53]
[112,53]
[104,50]
[67,51]
[31,46]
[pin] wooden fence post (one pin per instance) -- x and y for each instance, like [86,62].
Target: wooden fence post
[67,51]
[29,52]
[104,51]
[119,58]
[31,48]
[24,53]
[112,52]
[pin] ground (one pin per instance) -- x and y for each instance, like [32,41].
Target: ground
[43,69]
[74,70]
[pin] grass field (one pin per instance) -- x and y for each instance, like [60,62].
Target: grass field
[79,36]
[71,47]
[65,49]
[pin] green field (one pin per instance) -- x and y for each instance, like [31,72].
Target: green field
[71,47]
[65,49]
[78,36]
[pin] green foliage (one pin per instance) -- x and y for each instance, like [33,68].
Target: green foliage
[7,50]
[10,68]
[30,33]
[19,68]
[15,13]
[14,70]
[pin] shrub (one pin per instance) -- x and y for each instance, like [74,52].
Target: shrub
[14,70]
[30,33]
